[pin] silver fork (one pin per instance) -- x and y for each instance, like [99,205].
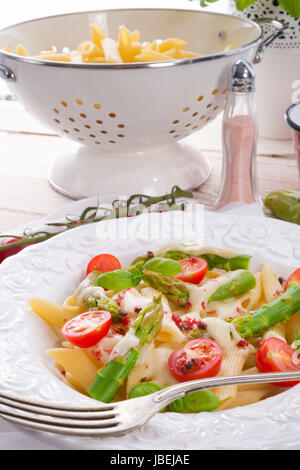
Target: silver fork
[118,418]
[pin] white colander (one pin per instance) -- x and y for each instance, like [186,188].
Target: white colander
[132,121]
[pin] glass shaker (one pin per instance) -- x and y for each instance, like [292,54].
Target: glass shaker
[239,140]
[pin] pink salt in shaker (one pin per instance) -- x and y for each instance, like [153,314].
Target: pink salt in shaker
[292,117]
[239,140]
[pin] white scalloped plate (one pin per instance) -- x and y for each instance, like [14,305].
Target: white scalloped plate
[53,269]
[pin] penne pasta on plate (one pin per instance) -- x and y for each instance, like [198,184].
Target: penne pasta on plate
[175,315]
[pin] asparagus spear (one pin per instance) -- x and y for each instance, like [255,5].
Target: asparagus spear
[285,204]
[174,289]
[104,303]
[110,379]
[213,261]
[178,291]
[243,282]
[278,310]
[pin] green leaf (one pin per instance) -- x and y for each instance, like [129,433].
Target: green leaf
[164,266]
[144,388]
[177,406]
[291,6]
[118,280]
[242,4]
[204,400]
[203,3]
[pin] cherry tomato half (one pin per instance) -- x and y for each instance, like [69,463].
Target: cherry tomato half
[87,329]
[193,270]
[103,263]
[275,355]
[294,277]
[199,358]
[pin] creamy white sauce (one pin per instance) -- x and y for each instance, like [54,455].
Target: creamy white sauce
[85,290]
[224,333]
[123,347]
[199,296]
[195,249]
[133,300]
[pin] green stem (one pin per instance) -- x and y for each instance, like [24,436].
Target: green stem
[278,310]
[243,282]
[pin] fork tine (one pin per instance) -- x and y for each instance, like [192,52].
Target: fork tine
[114,430]
[58,421]
[49,411]
[59,407]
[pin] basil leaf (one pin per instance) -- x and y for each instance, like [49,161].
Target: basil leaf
[144,388]
[204,400]
[291,6]
[242,4]
[118,280]
[164,266]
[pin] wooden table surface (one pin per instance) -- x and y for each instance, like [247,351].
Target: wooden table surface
[27,149]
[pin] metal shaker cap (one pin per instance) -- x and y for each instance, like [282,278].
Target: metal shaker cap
[242,78]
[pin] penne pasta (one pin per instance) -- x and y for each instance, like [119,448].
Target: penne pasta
[163,329]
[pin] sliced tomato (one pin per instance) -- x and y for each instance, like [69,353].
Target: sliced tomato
[199,358]
[103,263]
[294,277]
[275,355]
[193,270]
[87,329]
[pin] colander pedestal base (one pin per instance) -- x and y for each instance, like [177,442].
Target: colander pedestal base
[88,173]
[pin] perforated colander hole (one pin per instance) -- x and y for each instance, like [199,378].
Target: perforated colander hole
[121,126]
[66,131]
[57,120]
[200,98]
[187,125]
[224,91]
[176,136]
[76,130]
[176,121]
[202,117]
[81,139]
[56,110]
[208,105]
[186,109]
[71,119]
[79,102]
[121,136]
[87,126]
[172,132]
[215,91]
[98,143]
[99,121]
[83,115]
[208,119]
[215,108]
[97,106]
[103,132]
[64,104]
[112,141]
[112,115]
[93,136]
[195,114]
[195,127]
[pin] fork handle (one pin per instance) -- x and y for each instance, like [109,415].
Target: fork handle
[170,394]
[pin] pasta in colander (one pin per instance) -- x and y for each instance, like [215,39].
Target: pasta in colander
[100,49]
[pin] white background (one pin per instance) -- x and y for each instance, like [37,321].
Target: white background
[14,11]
